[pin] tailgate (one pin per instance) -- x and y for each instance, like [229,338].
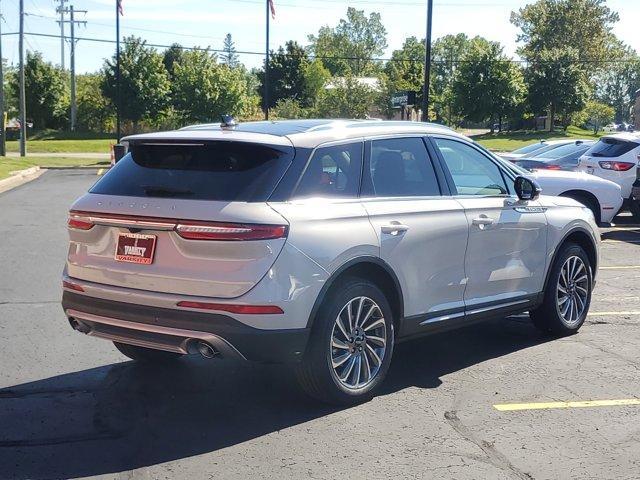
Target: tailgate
[183,218]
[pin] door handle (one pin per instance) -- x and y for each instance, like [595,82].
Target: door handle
[482,221]
[394,228]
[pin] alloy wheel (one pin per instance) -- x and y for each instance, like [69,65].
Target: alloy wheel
[358,343]
[572,290]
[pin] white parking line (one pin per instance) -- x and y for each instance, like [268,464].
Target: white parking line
[620,267]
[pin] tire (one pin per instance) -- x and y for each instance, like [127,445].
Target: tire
[587,202]
[551,317]
[634,208]
[316,373]
[142,354]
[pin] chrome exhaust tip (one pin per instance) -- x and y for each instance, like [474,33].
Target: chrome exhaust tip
[206,350]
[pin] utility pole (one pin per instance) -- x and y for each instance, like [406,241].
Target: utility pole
[23,106]
[427,64]
[266,66]
[3,145]
[61,10]
[72,23]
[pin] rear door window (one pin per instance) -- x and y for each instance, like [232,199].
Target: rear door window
[222,170]
[611,147]
[332,171]
[400,167]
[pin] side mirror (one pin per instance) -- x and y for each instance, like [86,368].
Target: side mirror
[527,188]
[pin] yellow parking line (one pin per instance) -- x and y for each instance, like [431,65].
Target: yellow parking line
[100,171]
[512,407]
[606,314]
[620,267]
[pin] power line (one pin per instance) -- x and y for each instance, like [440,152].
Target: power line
[337,57]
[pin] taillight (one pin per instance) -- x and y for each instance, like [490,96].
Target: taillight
[230,231]
[72,286]
[617,166]
[232,308]
[549,167]
[79,223]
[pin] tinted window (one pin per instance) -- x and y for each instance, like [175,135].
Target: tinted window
[530,148]
[565,150]
[224,171]
[611,147]
[332,172]
[472,172]
[401,167]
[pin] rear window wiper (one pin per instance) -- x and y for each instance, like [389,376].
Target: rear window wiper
[160,191]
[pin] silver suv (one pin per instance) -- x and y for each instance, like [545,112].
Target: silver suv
[320,244]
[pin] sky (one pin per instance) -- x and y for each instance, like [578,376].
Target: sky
[206,22]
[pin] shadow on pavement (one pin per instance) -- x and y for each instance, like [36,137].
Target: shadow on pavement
[631,235]
[125,416]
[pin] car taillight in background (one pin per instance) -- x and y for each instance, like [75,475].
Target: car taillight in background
[616,166]
[549,167]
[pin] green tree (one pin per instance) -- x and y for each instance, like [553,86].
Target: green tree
[286,74]
[616,85]
[557,83]
[596,115]
[94,110]
[445,56]
[558,24]
[144,82]
[346,98]
[405,70]
[316,77]
[171,56]
[487,84]
[204,89]
[288,108]
[47,100]
[350,46]
[229,55]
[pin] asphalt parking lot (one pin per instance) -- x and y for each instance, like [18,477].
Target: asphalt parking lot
[471,404]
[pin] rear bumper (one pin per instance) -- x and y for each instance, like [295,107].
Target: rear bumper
[180,330]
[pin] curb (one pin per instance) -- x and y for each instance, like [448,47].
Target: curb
[20,177]
[76,167]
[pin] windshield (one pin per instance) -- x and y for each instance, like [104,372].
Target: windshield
[530,148]
[564,150]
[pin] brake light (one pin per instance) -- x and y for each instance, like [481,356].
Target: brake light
[79,223]
[230,231]
[617,166]
[231,308]
[550,167]
[72,286]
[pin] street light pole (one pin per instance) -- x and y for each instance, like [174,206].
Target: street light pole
[427,64]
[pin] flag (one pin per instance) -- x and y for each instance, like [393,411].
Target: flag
[273,9]
[120,11]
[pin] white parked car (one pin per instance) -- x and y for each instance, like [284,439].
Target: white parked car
[614,157]
[603,197]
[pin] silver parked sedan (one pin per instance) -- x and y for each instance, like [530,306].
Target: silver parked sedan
[318,243]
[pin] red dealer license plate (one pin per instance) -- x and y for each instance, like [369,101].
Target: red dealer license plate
[135,248]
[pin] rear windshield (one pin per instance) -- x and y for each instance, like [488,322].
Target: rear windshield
[611,147]
[226,171]
[530,148]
